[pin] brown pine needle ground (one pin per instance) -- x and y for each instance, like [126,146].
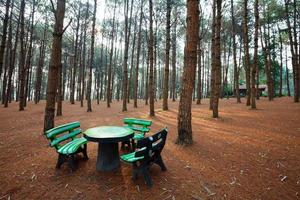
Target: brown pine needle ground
[246,154]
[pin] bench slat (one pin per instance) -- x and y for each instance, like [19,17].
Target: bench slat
[65,137]
[72,146]
[130,158]
[134,121]
[60,129]
[140,129]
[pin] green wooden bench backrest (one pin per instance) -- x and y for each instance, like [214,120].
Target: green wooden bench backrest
[62,133]
[140,122]
[140,125]
[152,145]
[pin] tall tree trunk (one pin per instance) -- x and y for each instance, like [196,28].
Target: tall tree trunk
[255,64]
[28,67]
[59,93]
[79,79]
[99,75]
[147,75]
[39,71]
[125,64]
[188,76]
[213,69]
[4,34]
[155,53]
[207,77]
[167,57]
[55,64]
[293,45]
[217,85]
[8,58]
[174,54]
[246,50]
[151,78]
[108,93]
[89,88]
[75,59]
[12,58]
[129,86]
[64,77]
[22,70]
[267,57]
[136,78]
[199,92]
[84,56]
[281,64]
[287,73]
[269,66]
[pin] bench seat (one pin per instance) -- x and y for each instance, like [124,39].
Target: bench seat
[140,128]
[64,139]
[148,152]
[73,146]
[130,158]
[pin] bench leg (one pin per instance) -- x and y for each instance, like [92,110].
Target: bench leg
[135,171]
[159,161]
[84,152]
[71,162]
[146,176]
[61,159]
[123,146]
[133,145]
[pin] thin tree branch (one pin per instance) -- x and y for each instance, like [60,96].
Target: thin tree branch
[67,26]
[53,9]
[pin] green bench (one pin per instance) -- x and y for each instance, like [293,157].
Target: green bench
[140,128]
[64,139]
[148,152]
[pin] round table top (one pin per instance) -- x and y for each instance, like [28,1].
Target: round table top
[108,134]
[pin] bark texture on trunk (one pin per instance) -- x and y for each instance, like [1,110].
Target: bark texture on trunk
[108,94]
[55,64]
[125,61]
[293,49]
[22,70]
[167,57]
[281,65]
[39,70]
[12,61]
[151,61]
[255,64]
[72,94]
[136,78]
[213,69]
[188,77]
[246,50]
[174,54]
[4,34]
[199,92]
[89,88]
[217,84]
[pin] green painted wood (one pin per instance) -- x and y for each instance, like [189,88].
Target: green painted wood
[103,132]
[61,129]
[138,136]
[134,121]
[139,129]
[130,158]
[72,146]
[58,140]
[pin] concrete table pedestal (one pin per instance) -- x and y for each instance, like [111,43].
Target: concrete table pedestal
[108,149]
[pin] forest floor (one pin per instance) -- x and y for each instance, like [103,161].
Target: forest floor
[245,154]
